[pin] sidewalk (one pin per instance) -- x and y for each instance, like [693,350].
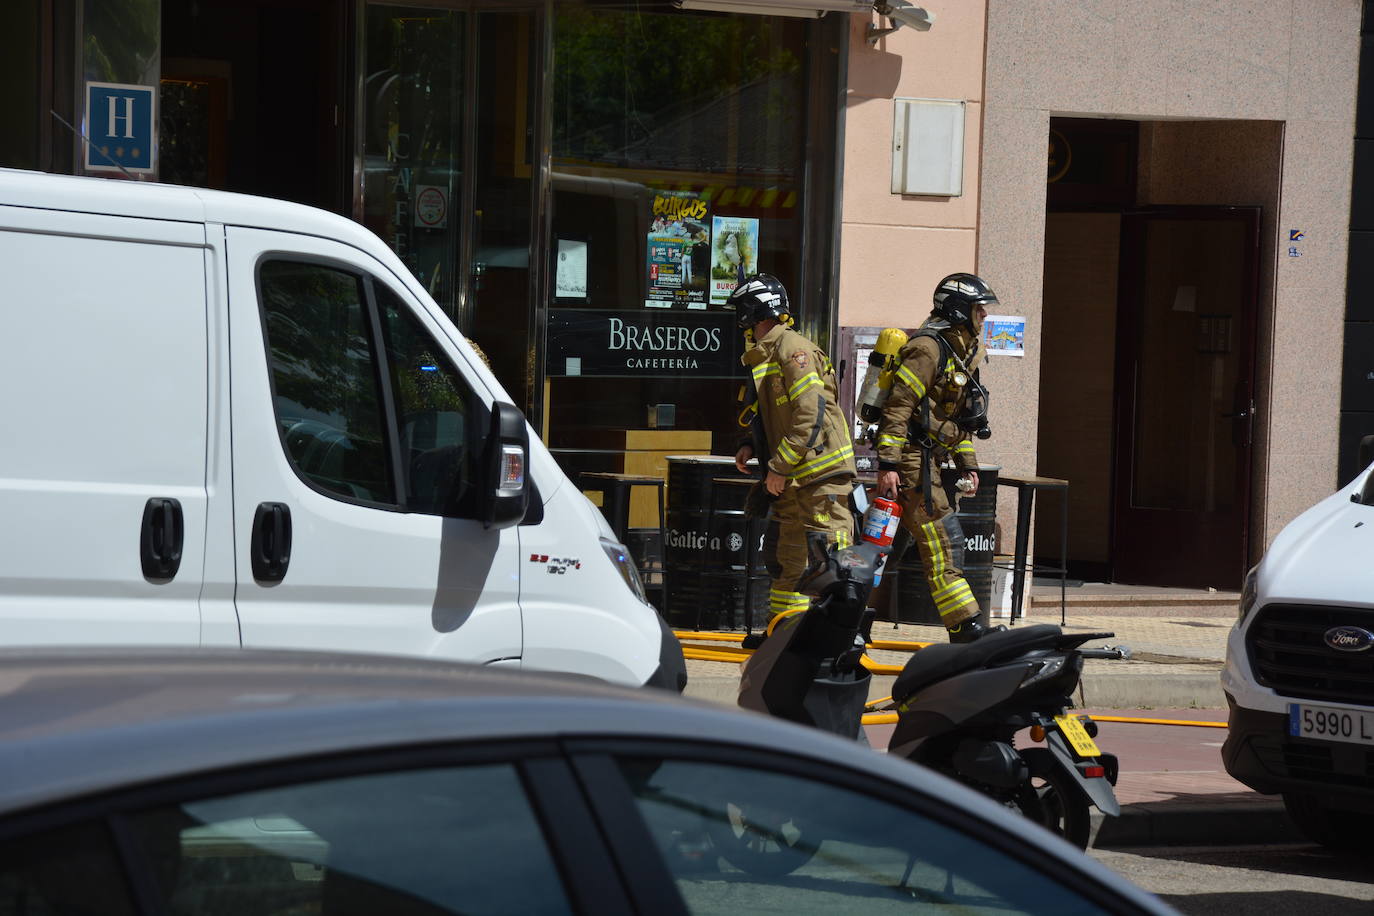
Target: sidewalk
[1173,788]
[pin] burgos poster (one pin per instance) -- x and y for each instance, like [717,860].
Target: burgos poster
[734,254]
[679,250]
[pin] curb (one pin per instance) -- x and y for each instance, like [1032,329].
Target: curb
[1195,824]
[1198,689]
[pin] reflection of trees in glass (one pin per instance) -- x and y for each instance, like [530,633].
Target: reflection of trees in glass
[620,77]
[184,129]
[320,354]
[121,39]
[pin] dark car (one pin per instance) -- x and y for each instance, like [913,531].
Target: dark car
[291,783]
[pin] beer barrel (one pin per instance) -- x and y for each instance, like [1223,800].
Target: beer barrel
[710,579]
[977,517]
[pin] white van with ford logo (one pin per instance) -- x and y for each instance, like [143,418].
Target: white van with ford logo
[1299,673]
[237,421]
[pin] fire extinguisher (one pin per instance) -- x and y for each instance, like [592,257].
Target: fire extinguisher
[881,521]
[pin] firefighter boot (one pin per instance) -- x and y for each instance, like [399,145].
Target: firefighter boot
[970,630]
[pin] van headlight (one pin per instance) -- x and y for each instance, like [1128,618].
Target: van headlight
[625,565]
[1249,592]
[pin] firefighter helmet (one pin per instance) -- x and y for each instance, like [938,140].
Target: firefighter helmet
[759,298]
[958,296]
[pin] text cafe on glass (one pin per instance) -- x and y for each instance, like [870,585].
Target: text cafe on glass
[580,184]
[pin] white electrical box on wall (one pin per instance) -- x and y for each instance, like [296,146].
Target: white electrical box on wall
[928,147]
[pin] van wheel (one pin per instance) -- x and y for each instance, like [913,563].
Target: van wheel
[1328,826]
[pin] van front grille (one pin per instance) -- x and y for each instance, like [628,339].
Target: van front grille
[1288,653]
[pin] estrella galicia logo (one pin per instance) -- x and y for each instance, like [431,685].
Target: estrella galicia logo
[1349,639]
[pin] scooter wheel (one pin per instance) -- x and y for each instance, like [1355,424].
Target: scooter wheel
[760,842]
[1051,801]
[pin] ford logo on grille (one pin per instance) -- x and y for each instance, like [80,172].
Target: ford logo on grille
[1349,639]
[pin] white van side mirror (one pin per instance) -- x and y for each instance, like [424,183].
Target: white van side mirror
[506,483]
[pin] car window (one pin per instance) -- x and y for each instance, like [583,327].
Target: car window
[416,843]
[740,840]
[325,378]
[70,870]
[441,421]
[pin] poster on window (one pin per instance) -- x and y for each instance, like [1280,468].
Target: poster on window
[734,254]
[679,250]
[1005,335]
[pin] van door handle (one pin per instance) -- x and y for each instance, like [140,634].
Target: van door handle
[271,546]
[160,539]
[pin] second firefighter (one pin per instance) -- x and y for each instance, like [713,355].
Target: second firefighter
[935,409]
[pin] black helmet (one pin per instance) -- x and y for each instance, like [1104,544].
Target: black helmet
[758,298]
[958,294]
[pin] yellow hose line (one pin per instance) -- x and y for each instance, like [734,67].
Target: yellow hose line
[877,668]
[895,645]
[713,655]
[1139,721]
[706,636]
[888,718]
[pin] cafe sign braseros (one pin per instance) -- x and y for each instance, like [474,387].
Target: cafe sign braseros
[593,343]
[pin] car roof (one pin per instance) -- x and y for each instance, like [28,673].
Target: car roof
[152,714]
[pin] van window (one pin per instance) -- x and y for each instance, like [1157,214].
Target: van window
[441,422]
[325,379]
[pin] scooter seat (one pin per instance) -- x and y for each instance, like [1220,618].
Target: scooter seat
[937,662]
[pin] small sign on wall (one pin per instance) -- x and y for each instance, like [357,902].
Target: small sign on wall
[1005,335]
[121,127]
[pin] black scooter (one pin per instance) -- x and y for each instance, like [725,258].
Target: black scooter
[959,710]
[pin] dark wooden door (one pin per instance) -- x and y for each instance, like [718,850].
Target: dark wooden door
[1185,396]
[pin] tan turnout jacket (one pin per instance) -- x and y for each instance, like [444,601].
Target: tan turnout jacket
[798,401]
[926,372]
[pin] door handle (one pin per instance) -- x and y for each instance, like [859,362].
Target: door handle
[1236,416]
[160,539]
[270,549]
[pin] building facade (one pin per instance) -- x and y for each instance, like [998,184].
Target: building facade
[1160,192]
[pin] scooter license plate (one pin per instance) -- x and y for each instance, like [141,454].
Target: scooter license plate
[1078,736]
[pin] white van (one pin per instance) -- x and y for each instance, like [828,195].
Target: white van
[1299,675]
[226,420]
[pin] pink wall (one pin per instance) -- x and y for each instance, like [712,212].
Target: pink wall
[895,248]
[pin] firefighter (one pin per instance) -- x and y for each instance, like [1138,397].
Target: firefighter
[800,437]
[935,408]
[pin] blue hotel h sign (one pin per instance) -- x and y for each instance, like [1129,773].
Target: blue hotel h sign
[120,127]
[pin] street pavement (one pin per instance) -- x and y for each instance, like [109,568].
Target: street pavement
[1173,787]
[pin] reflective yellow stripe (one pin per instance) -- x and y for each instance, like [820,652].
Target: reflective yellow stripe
[930,532]
[765,369]
[964,447]
[787,453]
[821,463]
[885,439]
[909,377]
[803,383]
[955,602]
[956,589]
[841,539]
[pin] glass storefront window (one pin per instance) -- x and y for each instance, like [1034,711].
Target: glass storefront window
[678,155]
[19,79]
[412,138]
